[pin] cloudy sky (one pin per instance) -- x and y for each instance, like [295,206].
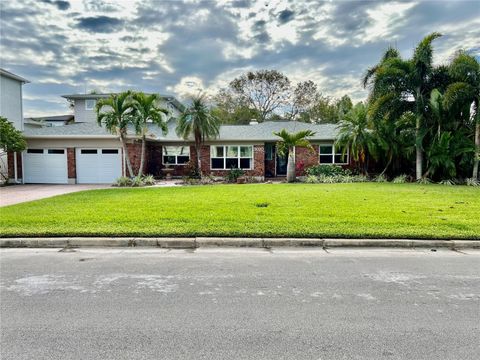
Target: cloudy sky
[177,47]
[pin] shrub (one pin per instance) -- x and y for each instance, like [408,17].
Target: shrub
[233,174]
[191,169]
[424,181]
[149,180]
[447,182]
[327,170]
[472,182]
[123,181]
[137,181]
[360,178]
[380,178]
[401,179]
[311,179]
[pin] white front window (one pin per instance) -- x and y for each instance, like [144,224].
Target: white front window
[225,157]
[90,104]
[331,154]
[175,155]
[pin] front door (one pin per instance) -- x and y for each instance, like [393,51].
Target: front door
[282,161]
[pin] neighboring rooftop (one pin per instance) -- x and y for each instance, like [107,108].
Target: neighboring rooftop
[13,76]
[258,132]
[168,98]
[53,118]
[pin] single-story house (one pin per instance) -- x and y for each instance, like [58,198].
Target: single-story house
[81,151]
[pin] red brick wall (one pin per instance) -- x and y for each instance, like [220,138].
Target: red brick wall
[134,153]
[11,168]
[305,158]
[258,162]
[71,163]
[155,164]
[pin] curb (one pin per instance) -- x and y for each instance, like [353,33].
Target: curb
[197,242]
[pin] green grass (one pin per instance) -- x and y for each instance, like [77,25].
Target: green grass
[295,210]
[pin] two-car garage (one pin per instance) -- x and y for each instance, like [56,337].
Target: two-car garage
[91,165]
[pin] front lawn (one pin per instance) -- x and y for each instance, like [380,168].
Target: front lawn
[269,210]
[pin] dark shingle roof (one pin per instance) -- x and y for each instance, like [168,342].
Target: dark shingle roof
[259,132]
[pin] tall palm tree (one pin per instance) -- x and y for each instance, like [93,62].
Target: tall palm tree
[463,95]
[146,110]
[355,134]
[287,145]
[198,122]
[399,86]
[116,118]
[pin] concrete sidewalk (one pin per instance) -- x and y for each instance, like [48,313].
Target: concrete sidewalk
[197,242]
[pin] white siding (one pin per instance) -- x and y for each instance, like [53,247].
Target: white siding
[11,101]
[82,115]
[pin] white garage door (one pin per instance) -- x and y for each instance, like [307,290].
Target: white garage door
[45,166]
[98,166]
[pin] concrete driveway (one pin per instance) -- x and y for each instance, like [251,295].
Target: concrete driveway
[15,194]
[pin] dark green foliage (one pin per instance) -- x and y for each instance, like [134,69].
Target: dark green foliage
[233,174]
[327,170]
[11,139]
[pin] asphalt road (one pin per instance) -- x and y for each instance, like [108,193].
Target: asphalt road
[240,304]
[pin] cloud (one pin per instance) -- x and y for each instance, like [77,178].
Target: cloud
[285,16]
[181,46]
[100,24]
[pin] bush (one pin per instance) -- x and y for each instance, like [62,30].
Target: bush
[380,178]
[149,180]
[233,174]
[137,181]
[192,170]
[472,182]
[326,170]
[360,178]
[311,179]
[447,182]
[424,181]
[123,181]
[401,179]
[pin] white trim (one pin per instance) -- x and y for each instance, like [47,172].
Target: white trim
[23,168]
[15,170]
[333,154]
[176,156]
[224,157]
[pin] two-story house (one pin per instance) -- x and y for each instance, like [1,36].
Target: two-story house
[11,108]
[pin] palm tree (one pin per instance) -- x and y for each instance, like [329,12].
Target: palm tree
[146,110]
[117,118]
[355,134]
[198,122]
[399,86]
[287,145]
[464,95]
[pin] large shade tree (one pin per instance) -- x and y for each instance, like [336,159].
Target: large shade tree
[286,147]
[198,122]
[147,111]
[116,114]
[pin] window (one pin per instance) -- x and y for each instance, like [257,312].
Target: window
[56,151]
[109,151]
[232,156]
[35,151]
[90,104]
[269,151]
[88,151]
[176,155]
[330,154]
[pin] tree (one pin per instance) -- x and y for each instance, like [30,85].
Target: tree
[116,118]
[231,110]
[198,122]
[11,139]
[463,96]
[400,86]
[303,100]
[146,110]
[354,134]
[265,91]
[287,146]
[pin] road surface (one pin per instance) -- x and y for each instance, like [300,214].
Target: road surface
[240,304]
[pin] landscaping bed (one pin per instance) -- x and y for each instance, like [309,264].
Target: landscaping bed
[355,210]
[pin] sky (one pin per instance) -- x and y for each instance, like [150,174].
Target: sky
[181,47]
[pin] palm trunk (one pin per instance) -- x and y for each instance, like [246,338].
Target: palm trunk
[390,158]
[418,150]
[291,176]
[477,150]
[127,158]
[199,160]
[142,156]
